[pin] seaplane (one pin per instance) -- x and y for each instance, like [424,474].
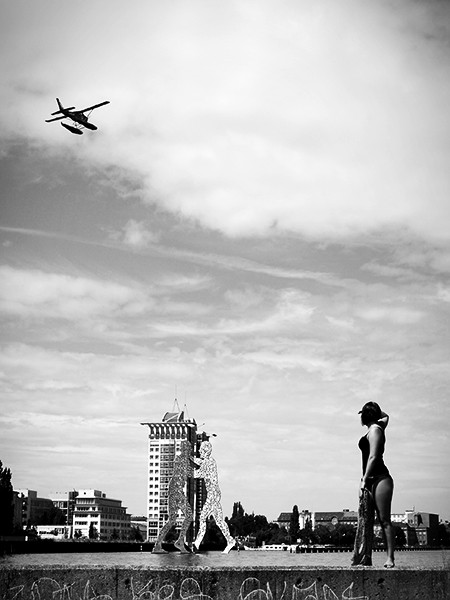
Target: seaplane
[78,117]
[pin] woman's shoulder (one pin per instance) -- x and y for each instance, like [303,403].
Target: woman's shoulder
[375,429]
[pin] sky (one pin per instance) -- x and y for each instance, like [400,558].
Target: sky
[259,228]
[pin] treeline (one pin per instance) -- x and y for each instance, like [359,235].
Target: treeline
[7,526]
[256,529]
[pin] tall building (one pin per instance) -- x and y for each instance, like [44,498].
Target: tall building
[108,516]
[164,441]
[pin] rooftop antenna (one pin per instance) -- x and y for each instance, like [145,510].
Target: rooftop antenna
[176,406]
[185,409]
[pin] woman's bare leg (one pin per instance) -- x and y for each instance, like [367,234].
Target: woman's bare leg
[383,498]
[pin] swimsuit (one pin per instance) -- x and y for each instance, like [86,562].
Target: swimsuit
[379,470]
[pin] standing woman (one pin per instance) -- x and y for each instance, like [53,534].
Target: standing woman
[376,490]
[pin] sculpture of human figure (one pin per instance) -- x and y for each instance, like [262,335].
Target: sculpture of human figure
[212,506]
[177,500]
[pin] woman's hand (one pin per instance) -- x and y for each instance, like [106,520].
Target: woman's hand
[362,487]
[383,421]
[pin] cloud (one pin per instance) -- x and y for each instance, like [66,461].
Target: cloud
[322,119]
[135,235]
[260,221]
[395,314]
[33,293]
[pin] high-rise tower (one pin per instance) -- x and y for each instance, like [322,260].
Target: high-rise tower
[164,441]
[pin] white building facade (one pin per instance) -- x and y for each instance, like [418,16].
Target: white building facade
[164,441]
[106,515]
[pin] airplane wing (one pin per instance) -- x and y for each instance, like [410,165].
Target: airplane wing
[55,119]
[92,107]
[59,111]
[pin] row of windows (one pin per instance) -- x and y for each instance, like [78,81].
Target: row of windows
[167,435]
[104,519]
[99,510]
[166,472]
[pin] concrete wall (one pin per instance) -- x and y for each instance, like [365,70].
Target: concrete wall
[205,583]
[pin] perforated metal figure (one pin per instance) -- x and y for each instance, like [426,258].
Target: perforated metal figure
[177,499]
[212,506]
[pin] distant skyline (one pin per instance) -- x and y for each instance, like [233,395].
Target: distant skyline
[259,227]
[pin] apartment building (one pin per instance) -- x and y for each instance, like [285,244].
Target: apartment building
[164,442]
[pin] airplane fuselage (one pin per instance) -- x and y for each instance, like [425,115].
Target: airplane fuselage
[80,118]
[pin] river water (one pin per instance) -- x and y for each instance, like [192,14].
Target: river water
[427,559]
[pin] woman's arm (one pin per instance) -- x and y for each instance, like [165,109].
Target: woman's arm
[383,420]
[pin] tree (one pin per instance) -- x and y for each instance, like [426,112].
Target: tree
[343,535]
[135,535]
[307,534]
[294,525]
[53,516]
[322,535]
[400,537]
[243,525]
[93,533]
[238,511]
[6,502]
[444,534]
[213,538]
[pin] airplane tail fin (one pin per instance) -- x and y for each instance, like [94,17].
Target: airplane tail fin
[61,107]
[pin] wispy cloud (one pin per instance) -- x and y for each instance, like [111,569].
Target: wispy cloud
[330,122]
[135,235]
[34,293]
[260,221]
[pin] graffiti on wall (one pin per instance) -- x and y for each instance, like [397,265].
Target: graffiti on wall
[47,588]
[251,589]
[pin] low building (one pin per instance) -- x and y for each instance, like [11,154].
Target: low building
[423,528]
[34,509]
[140,523]
[54,532]
[284,519]
[331,519]
[95,512]
[17,511]
[398,518]
[65,502]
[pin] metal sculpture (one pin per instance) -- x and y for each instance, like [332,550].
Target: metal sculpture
[178,500]
[212,507]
